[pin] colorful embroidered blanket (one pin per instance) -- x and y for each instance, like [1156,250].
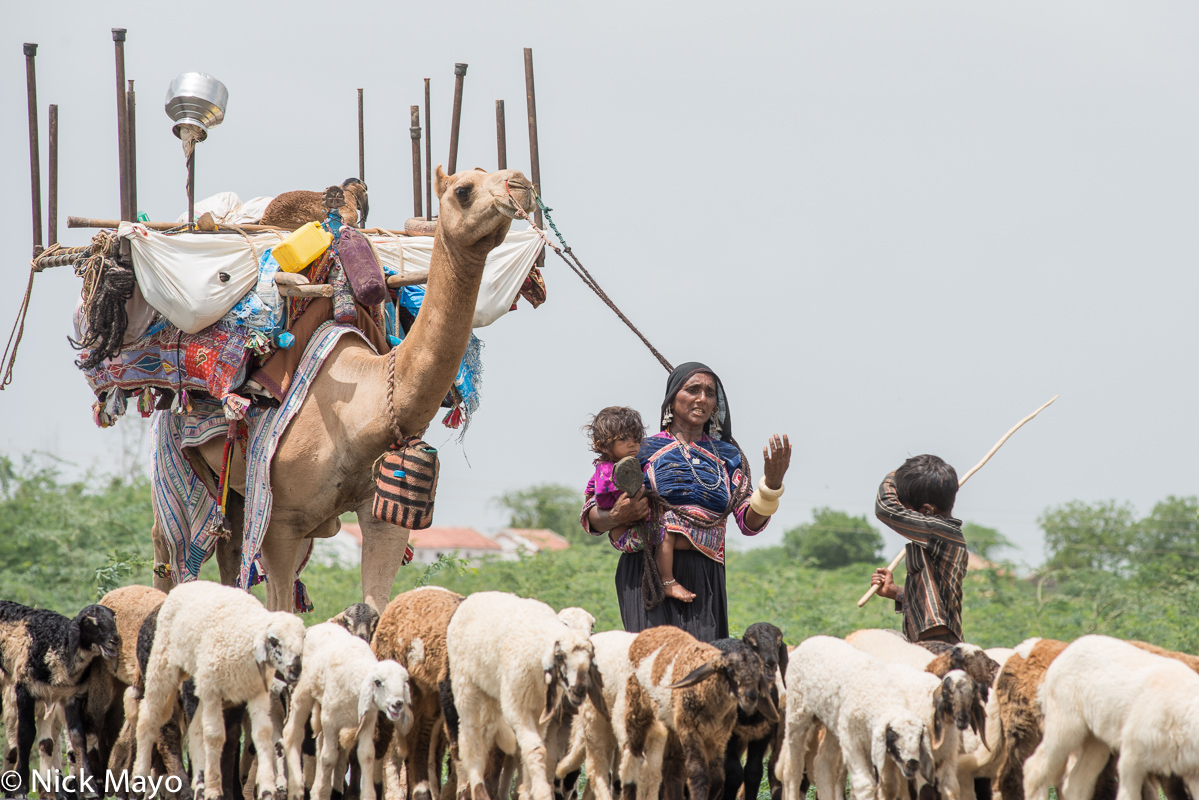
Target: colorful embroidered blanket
[186,513]
[211,361]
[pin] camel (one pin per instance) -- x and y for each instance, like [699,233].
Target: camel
[322,466]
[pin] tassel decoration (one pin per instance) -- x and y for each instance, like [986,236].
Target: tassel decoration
[303,603]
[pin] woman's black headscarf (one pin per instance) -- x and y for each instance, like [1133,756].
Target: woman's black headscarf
[722,416]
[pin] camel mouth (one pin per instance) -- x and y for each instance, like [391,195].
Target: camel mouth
[510,206]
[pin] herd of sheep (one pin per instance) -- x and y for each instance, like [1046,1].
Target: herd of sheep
[444,697]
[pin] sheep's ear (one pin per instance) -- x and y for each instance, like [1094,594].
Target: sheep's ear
[783,661]
[957,659]
[441,181]
[260,648]
[366,704]
[978,720]
[553,693]
[704,670]
[73,639]
[928,765]
[342,620]
[766,706]
[938,719]
[595,690]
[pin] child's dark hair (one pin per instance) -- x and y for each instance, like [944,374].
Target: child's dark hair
[612,424]
[927,479]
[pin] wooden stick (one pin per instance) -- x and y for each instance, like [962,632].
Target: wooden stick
[52,178]
[35,169]
[306,290]
[961,482]
[118,39]
[396,281]
[361,142]
[456,120]
[88,222]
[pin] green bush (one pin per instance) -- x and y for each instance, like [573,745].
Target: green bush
[833,539]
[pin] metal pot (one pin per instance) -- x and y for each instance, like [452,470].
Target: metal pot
[196,99]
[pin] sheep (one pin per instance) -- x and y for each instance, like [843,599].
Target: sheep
[227,641]
[1102,695]
[673,696]
[855,697]
[360,619]
[512,663]
[982,755]
[754,733]
[412,631]
[46,656]
[293,209]
[1020,716]
[890,646]
[348,686]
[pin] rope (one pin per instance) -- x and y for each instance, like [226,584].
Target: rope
[107,286]
[577,267]
[18,329]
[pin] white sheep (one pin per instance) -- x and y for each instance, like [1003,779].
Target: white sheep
[227,641]
[348,687]
[513,664]
[854,696]
[887,645]
[1104,695]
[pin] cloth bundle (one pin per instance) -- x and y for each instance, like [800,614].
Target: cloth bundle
[406,485]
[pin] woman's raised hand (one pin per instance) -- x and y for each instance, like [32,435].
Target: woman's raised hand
[777,455]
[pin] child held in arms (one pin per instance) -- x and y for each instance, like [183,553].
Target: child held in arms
[916,501]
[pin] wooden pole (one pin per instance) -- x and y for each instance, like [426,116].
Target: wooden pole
[118,38]
[962,482]
[534,152]
[414,130]
[88,222]
[131,116]
[428,156]
[361,142]
[459,78]
[52,178]
[35,158]
[501,134]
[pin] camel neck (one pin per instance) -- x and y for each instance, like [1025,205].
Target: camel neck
[428,359]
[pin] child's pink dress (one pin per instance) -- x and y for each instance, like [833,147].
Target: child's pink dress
[606,492]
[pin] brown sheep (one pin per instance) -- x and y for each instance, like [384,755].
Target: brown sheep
[698,714]
[412,631]
[294,209]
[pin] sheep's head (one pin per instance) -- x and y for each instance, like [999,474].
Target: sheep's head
[94,631]
[359,619]
[904,742]
[280,645]
[571,675]
[578,618]
[743,670]
[386,689]
[952,701]
[767,641]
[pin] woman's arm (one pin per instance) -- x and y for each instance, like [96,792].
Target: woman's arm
[777,457]
[627,510]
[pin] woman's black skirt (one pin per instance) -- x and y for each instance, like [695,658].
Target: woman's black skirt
[706,617]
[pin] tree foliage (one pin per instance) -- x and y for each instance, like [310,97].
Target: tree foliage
[984,541]
[548,505]
[833,539]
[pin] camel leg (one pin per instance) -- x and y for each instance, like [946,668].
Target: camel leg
[279,553]
[228,550]
[382,552]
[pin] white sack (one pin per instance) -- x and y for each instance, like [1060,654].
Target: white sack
[180,275]
[504,272]
[228,209]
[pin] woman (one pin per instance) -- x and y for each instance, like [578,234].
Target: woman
[695,480]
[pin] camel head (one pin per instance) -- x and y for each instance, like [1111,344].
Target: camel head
[476,208]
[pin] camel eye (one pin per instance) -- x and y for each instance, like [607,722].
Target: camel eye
[462,193]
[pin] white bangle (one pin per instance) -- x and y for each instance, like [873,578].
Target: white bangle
[767,492]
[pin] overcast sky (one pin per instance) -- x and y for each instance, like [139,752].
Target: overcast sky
[891,228]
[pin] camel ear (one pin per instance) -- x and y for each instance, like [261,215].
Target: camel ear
[553,693]
[783,661]
[441,181]
[704,670]
[595,690]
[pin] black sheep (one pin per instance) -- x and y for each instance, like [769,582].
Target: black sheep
[754,733]
[45,656]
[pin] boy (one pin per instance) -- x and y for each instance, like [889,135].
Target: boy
[916,502]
